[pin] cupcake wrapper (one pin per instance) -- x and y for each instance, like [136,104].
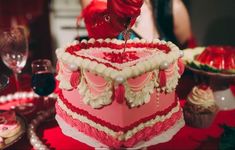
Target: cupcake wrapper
[199,120]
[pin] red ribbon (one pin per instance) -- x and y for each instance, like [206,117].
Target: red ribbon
[162,78]
[120,93]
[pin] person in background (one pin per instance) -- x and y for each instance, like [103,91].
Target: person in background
[164,19]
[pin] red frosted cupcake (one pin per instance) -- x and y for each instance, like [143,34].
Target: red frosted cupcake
[200,108]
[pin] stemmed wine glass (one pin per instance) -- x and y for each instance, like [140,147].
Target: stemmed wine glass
[4,80]
[14,50]
[43,81]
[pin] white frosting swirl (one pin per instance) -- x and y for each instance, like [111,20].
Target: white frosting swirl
[203,97]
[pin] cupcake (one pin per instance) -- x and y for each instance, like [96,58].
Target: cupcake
[200,108]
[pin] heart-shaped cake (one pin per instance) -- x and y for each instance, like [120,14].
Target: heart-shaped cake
[119,95]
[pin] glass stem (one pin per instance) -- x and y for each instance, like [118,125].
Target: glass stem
[17,82]
[45,102]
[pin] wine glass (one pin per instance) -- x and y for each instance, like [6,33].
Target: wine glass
[4,80]
[43,81]
[14,50]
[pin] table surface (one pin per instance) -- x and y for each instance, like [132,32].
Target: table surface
[186,138]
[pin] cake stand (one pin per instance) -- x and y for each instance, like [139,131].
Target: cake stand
[220,84]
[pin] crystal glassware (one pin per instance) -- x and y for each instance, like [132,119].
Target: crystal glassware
[43,81]
[14,50]
[4,80]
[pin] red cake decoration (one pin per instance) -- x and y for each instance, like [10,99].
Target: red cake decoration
[119,97]
[75,79]
[219,57]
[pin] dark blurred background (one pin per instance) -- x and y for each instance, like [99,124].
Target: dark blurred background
[213,21]
[34,16]
[52,23]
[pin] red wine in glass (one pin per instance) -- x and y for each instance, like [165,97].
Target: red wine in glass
[43,83]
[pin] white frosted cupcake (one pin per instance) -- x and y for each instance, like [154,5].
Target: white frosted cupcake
[200,108]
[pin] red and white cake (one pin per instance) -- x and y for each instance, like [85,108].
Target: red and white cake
[108,97]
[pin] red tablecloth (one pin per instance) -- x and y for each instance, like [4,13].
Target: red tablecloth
[186,138]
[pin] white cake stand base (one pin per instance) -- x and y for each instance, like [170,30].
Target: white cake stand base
[161,138]
[225,99]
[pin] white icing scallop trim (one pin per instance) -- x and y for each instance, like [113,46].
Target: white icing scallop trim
[120,136]
[105,98]
[149,65]
[135,99]
[173,81]
[63,83]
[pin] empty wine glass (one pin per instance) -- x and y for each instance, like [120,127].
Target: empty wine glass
[43,81]
[4,80]
[14,50]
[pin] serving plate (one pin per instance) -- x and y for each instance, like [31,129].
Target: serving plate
[15,138]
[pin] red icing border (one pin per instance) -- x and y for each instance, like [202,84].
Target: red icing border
[106,64]
[145,134]
[74,48]
[109,125]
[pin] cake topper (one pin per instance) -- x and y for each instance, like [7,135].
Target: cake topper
[126,34]
[107,19]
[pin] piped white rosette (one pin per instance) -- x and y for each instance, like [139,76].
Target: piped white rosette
[98,95]
[201,97]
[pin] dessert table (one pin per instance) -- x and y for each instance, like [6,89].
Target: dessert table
[187,138]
